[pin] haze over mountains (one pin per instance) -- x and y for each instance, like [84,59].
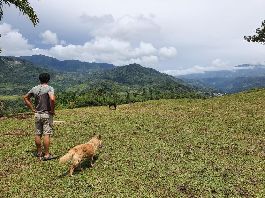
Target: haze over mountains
[241,78]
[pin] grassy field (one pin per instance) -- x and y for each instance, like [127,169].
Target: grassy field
[165,148]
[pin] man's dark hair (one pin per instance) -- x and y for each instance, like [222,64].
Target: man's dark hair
[44,77]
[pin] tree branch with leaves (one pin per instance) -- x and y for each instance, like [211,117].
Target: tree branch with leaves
[260,35]
[23,6]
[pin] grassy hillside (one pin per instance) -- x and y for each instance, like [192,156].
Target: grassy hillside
[165,148]
[125,84]
[17,76]
[67,65]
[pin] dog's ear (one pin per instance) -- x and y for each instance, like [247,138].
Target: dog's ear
[99,137]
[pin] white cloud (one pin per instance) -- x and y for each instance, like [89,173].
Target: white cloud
[145,49]
[100,49]
[5,28]
[178,72]
[168,52]
[216,65]
[106,49]
[151,60]
[127,27]
[96,21]
[49,37]
[12,42]
[200,31]
[219,63]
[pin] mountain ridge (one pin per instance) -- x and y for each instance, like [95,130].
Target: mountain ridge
[66,65]
[124,78]
[242,78]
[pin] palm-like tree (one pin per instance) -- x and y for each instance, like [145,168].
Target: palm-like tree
[23,6]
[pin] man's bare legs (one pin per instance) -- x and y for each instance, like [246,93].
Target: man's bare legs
[38,145]
[46,144]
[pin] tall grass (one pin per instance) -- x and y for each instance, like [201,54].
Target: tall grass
[163,148]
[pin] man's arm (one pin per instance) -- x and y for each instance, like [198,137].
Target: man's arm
[28,102]
[52,103]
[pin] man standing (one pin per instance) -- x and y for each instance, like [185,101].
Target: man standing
[44,111]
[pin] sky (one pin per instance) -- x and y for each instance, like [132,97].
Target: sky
[172,36]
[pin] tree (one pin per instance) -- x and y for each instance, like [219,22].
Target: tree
[259,37]
[23,6]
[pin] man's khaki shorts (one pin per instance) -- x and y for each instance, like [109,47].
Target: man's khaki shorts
[43,123]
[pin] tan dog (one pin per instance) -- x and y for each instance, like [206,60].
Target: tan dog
[79,152]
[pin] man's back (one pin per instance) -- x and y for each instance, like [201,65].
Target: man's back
[41,93]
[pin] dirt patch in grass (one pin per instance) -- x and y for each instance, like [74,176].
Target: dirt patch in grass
[17,132]
[21,116]
[187,190]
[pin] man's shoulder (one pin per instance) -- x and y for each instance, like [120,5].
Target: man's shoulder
[35,88]
[50,88]
[42,89]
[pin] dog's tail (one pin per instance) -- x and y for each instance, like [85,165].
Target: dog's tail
[66,157]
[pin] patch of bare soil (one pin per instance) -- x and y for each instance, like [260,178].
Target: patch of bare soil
[21,116]
[17,132]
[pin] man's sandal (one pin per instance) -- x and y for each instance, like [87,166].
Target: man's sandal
[38,155]
[50,157]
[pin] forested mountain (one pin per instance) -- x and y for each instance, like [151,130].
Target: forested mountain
[66,65]
[136,75]
[134,83]
[243,77]
[127,77]
[124,84]
[17,76]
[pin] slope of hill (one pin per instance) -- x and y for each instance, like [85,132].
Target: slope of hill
[131,83]
[17,76]
[126,84]
[131,75]
[66,65]
[243,77]
[136,75]
[164,148]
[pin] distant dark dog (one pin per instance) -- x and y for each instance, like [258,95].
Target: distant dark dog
[113,105]
[79,152]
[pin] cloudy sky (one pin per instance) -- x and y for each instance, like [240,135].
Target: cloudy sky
[172,36]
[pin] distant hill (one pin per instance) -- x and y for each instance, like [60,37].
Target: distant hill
[17,76]
[67,65]
[123,84]
[137,77]
[243,77]
[135,74]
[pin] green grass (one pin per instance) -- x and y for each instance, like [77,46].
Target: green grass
[10,97]
[165,148]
